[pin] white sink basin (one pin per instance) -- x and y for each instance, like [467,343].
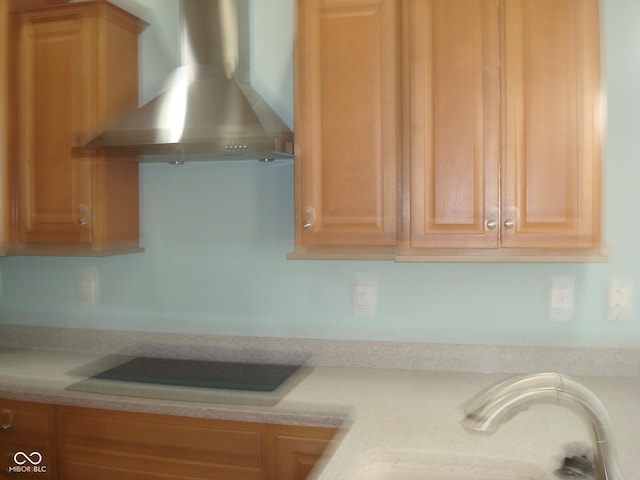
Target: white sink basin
[427,467]
[406,472]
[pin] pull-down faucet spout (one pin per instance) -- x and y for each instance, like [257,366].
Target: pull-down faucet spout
[490,408]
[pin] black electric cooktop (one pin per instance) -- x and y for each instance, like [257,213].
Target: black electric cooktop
[255,377]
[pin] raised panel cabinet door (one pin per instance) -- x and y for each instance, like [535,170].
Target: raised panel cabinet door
[551,164]
[454,122]
[347,125]
[27,440]
[297,450]
[55,74]
[103,444]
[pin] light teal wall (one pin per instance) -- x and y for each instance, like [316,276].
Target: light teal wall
[217,234]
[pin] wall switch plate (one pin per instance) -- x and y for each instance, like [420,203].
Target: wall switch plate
[619,298]
[561,301]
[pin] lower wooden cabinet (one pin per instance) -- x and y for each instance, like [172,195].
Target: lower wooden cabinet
[51,442]
[101,444]
[27,440]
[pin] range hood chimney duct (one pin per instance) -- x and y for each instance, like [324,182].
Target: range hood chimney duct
[209,110]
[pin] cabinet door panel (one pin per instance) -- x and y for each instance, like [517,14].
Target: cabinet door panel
[76,69]
[106,444]
[297,450]
[552,129]
[454,127]
[347,122]
[27,428]
[53,184]
[86,464]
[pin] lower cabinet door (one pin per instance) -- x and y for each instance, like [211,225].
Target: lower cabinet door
[22,461]
[110,467]
[101,444]
[27,440]
[298,450]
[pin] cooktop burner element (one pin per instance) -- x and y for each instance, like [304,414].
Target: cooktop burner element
[257,377]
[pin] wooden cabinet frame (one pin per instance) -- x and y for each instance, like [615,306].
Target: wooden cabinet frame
[5,196]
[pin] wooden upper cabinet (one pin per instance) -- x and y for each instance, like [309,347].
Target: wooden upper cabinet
[5,198]
[454,123]
[500,129]
[76,70]
[54,186]
[347,123]
[552,130]
[504,124]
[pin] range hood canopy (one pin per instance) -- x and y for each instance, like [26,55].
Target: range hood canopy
[209,110]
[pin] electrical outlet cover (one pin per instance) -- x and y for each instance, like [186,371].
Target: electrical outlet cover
[561,301]
[364,300]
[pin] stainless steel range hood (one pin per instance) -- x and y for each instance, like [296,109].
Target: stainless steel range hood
[209,111]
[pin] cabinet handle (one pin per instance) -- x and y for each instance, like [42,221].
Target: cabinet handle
[491,224]
[6,417]
[307,224]
[509,223]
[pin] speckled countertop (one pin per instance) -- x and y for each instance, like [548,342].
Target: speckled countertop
[390,416]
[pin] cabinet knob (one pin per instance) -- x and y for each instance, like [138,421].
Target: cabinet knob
[6,471]
[509,223]
[491,224]
[309,216]
[83,214]
[6,419]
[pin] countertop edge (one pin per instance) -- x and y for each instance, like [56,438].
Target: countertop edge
[292,414]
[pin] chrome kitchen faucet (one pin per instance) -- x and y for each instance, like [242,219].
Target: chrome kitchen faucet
[486,411]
